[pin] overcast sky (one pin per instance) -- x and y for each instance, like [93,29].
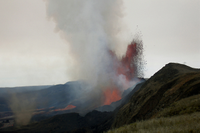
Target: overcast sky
[31,53]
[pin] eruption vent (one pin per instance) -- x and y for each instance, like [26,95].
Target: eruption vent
[111,95]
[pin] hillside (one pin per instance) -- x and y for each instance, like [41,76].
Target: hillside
[181,116]
[172,83]
[188,123]
[57,96]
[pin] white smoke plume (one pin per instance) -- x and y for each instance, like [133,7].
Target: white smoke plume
[91,28]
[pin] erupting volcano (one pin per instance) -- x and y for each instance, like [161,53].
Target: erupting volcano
[94,33]
[122,74]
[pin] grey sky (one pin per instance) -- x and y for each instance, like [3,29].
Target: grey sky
[31,53]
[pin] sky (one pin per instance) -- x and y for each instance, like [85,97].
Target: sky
[32,53]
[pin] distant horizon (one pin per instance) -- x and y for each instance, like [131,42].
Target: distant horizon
[146,78]
[79,80]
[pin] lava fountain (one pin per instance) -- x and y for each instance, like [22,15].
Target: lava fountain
[127,68]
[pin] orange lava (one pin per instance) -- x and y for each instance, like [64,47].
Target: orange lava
[111,95]
[127,62]
[125,66]
[66,108]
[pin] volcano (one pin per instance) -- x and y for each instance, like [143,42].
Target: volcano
[74,97]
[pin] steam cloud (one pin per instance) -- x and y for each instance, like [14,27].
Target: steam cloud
[91,28]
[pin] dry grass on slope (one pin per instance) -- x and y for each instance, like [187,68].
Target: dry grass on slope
[184,106]
[182,124]
[181,116]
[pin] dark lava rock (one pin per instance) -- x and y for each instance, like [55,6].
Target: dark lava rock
[71,122]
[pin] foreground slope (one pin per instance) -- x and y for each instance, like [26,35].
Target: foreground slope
[181,116]
[172,83]
[188,123]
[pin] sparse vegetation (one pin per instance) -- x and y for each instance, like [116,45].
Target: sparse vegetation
[184,106]
[182,116]
[182,124]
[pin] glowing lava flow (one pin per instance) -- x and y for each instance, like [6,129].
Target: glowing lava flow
[66,108]
[126,67]
[111,95]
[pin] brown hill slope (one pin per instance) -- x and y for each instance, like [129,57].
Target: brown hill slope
[172,83]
